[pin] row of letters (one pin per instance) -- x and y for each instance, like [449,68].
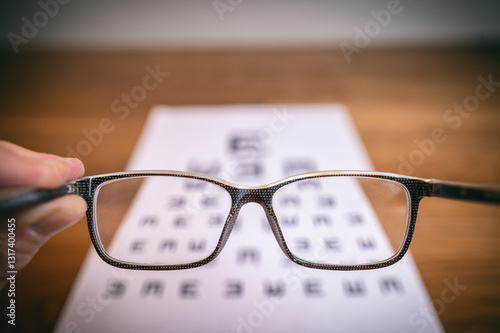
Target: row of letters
[236,288]
[285,220]
[299,245]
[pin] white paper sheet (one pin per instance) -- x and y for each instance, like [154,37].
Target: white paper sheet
[251,286]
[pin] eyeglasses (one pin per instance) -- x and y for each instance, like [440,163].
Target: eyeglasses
[331,220]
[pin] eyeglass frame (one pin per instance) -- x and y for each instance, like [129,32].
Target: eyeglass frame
[416,189]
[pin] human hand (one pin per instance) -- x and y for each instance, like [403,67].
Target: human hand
[20,167]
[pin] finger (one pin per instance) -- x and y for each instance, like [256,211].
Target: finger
[26,152]
[22,167]
[52,217]
[40,223]
[37,225]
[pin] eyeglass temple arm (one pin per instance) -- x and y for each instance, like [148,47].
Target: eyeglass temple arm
[463,191]
[12,201]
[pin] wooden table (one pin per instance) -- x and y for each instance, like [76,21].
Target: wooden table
[397,99]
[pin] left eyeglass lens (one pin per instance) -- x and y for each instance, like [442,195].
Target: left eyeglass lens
[160,220]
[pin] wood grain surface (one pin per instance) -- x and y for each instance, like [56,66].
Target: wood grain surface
[402,102]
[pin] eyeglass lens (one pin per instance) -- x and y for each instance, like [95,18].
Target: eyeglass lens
[174,220]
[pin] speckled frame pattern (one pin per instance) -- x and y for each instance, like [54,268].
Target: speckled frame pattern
[415,188]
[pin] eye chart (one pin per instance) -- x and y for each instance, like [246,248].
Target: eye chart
[251,286]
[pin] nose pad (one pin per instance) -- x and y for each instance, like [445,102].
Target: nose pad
[278,235]
[226,231]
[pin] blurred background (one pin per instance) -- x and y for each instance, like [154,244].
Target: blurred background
[402,68]
[244,24]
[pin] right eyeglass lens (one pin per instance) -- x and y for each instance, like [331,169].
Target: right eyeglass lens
[160,220]
[343,220]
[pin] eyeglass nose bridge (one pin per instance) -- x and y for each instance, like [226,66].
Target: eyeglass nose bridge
[261,196]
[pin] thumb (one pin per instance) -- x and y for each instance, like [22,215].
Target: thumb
[21,169]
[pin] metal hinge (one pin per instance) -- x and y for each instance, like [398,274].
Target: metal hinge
[72,188]
[432,189]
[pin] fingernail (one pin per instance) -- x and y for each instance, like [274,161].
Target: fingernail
[76,167]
